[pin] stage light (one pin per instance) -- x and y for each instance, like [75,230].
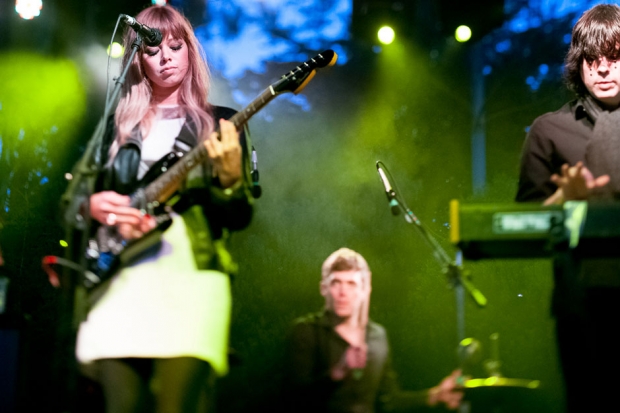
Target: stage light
[28,9]
[386,35]
[481,16]
[42,128]
[159,2]
[116,50]
[462,34]
[63,243]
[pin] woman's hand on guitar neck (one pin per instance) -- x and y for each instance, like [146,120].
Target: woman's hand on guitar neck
[225,153]
[112,209]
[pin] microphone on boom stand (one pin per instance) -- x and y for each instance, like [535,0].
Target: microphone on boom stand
[389,190]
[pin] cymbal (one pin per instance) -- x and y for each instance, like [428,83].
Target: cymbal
[500,382]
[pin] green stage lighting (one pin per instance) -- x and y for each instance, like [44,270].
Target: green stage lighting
[462,34]
[386,35]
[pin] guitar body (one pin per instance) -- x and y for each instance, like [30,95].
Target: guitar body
[158,168]
[108,250]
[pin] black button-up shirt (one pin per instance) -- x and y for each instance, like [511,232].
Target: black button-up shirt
[554,139]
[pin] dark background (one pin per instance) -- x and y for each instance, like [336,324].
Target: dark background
[410,106]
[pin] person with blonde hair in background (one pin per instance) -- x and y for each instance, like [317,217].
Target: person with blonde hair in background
[338,360]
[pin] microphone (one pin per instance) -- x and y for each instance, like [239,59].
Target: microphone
[389,191]
[152,37]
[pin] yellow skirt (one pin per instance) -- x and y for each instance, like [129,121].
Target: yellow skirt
[161,307]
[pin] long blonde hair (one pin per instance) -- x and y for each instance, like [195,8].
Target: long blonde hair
[134,107]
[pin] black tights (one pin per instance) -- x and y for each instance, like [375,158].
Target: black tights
[174,385]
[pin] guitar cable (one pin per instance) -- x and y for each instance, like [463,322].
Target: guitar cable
[52,275]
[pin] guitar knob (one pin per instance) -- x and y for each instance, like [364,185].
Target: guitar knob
[91,253]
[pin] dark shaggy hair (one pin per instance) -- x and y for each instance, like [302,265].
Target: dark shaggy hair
[596,34]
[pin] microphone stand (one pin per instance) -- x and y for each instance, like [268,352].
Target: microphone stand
[453,269]
[72,301]
[89,165]
[458,279]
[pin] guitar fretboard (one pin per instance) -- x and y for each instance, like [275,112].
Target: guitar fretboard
[241,118]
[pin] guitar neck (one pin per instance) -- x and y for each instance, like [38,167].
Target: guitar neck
[162,188]
[242,117]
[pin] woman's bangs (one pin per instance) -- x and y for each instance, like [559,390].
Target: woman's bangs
[167,24]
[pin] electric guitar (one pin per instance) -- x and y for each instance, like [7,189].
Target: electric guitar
[108,251]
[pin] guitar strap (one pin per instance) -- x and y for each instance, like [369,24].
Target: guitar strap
[186,139]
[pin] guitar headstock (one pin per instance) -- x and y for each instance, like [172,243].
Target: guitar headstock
[297,79]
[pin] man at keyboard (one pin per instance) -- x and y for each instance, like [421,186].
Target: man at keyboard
[574,154]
